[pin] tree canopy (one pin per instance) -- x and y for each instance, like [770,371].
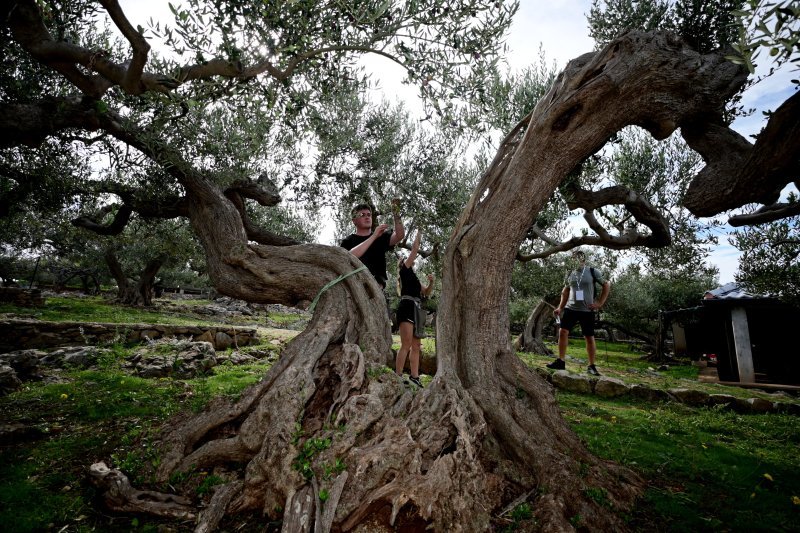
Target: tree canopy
[202,134]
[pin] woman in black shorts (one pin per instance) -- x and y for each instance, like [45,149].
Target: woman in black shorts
[410,315]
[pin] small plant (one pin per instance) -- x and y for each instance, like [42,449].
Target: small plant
[522,512]
[337,468]
[310,448]
[208,483]
[324,495]
[599,495]
[519,514]
[377,371]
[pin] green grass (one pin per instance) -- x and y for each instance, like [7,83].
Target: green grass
[90,416]
[617,360]
[707,468]
[284,319]
[96,309]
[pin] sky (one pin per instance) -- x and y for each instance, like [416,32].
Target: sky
[561,29]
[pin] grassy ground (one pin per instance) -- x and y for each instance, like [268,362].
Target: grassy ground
[708,469]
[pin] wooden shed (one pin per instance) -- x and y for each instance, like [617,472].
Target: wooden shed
[752,336]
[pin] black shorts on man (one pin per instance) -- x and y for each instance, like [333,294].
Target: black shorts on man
[584,318]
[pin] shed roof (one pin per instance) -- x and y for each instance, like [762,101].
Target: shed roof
[731,291]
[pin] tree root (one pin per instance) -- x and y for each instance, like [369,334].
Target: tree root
[120,496]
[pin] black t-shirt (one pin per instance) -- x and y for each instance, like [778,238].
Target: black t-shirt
[375,256]
[409,282]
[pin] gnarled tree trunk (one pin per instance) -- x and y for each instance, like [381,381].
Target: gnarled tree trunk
[134,293]
[530,340]
[487,431]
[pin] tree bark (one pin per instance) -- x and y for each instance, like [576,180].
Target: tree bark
[129,293]
[486,431]
[531,338]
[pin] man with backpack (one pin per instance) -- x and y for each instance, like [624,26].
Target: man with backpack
[577,306]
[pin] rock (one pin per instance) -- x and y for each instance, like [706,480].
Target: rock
[149,334]
[572,382]
[24,362]
[189,360]
[205,337]
[222,341]
[82,356]
[722,399]
[236,358]
[760,406]
[691,397]
[9,382]
[16,433]
[607,387]
[543,372]
[790,408]
[643,392]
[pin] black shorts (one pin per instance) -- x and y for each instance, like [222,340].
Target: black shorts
[585,318]
[405,311]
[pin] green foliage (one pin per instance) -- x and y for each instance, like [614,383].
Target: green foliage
[767,25]
[309,449]
[329,470]
[639,294]
[208,483]
[599,495]
[521,512]
[706,25]
[768,264]
[519,515]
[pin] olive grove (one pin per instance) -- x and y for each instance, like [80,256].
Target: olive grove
[327,440]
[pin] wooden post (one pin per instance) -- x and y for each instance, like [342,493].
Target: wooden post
[741,341]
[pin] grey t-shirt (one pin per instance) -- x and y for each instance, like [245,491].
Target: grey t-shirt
[581,287]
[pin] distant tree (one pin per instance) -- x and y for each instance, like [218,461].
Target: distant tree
[707,26]
[769,262]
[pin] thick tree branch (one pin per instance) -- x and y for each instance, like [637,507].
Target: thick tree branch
[768,213]
[131,82]
[115,227]
[29,30]
[31,124]
[24,19]
[265,193]
[738,172]
[590,201]
[262,191]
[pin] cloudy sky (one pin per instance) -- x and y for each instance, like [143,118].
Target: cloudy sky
[560,28]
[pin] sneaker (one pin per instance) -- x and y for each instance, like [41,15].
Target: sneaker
[416,381]
[558,364]
[592,370]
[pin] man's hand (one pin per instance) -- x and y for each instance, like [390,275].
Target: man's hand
[594,306]
[557,311]
[430,279]
[380,230]
[395,206]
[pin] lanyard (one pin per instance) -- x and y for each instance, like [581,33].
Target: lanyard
[331,284]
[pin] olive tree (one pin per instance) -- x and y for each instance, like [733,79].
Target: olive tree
[486,432]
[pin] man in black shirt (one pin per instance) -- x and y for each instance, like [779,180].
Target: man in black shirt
[371,246]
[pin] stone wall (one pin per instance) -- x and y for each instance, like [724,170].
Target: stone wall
[23,334]
[22,297]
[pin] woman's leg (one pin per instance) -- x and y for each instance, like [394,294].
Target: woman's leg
[416,349]
[406,339]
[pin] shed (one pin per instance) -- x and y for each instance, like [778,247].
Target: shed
[750,334]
